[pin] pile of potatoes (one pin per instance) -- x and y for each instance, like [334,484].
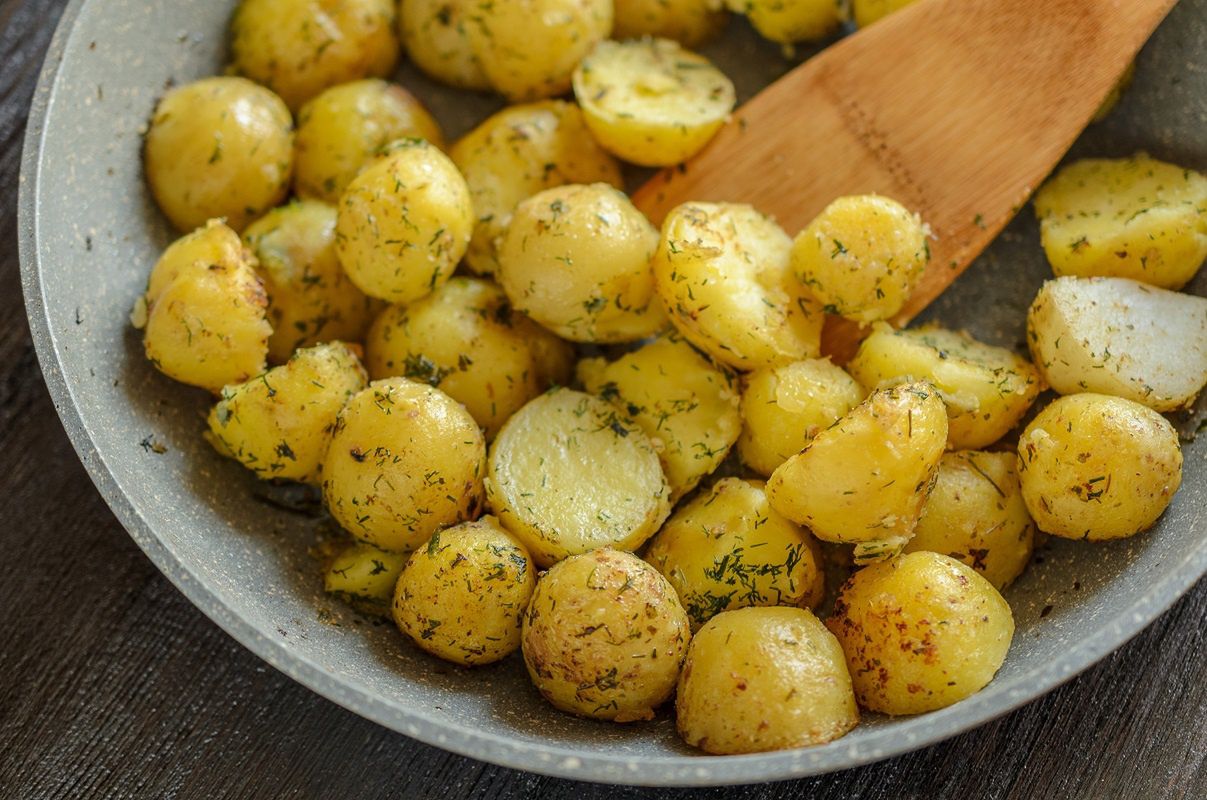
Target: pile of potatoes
[549,425]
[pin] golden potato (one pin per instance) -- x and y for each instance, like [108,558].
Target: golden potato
[279,424]
[518,152]
[405,461]
[866,12]
[464,594]
[298,48]
[689,22]
[218,148]
[576,259]
[212,244]
[651,102]
[760,679]
[1135,217]
[862,256]
[404,222]
[1096,467]
[722,273]
[920,632]
[568,474]
[435,37]
[865,479]
[465,339]
[727,548]
[986,389]
[790,22]
[686,405]
[310,300]
[784,407]
[343,129]
[976,515]
[364,577]
[604,636]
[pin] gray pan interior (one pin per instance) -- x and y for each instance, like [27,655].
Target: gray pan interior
[89,234]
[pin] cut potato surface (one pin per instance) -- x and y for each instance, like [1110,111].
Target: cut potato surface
[791,21]
[651,102]
[434,34]
[689,22]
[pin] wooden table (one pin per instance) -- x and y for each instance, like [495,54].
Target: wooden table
[113,686]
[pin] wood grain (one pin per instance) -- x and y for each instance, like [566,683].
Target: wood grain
[113,686]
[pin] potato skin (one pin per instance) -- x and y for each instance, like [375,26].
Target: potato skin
[689,22]
[787,23]
[405,461]
[1097,467]
[920,632]
[865,12]
[218,148]
[463,595]
[364,577]
[434,34]
[604,636]
[759,679]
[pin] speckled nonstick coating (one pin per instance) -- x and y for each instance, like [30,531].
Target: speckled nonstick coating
[89,234]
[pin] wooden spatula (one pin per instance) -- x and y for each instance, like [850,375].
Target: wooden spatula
[956,108]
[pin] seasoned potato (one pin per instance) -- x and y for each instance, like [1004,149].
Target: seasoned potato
[604,636]
[761,679]
[364,577]
[1117,336]
[862,256]
[298,48]
[577,260]
[463,595]
[1096,467]
[784,407]
[435,37]
[279,424]
[986,389]
[651,102]
[728,548]
[404,222]
[345,127]
[976,514]
[310,300]
[1136,218]
[722,272]
[568,474]
[518,152]
[528,48]
[920,632]
[465,340]
[213,244]
[689,22]
[789,22]
[866,12]
[684,403]
[404,462]
[865,479]
[218,148]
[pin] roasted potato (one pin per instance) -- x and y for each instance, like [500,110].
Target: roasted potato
[435,37]
[790,22]
[604,636]
[689,22]
[364,576]
[1096,467]
[865,12]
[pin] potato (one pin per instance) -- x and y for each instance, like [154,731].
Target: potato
[862,256]
[604,637]
[976,515]
[279,424]
[405,461]
[464,594]
[528,48]
[865,479]
[298,48]
[364,577]
[685,404]
[920,632]
[784,407]
[790,22]
[435,37]
[1117,336]
[727,548]
[1116,93]
[651,102]
[721,270]
[518,152]
[310,300]
[218,148]
[689,22]
[567,474]
[343,129]
[213,244]
[866,12]
[1136,218]
[577,260]
[986,389]
[1096,467]
[404,222]
[464,339]
[761,679]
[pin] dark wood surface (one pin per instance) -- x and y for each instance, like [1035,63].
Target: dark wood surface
[113,686]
